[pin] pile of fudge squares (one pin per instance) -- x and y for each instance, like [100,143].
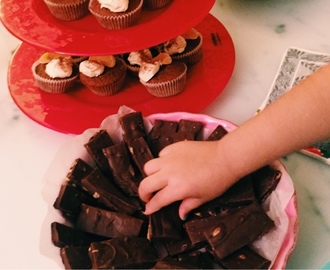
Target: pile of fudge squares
[105,226]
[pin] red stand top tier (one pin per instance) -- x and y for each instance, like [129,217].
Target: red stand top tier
[32,22]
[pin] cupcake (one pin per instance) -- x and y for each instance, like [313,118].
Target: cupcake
[156,4]
[78,59]
[186,48]
[103,75]
[55,73]
[162,77]
[68,10]
[116,14]
[134,59]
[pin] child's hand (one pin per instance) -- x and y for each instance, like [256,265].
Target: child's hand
[192,171]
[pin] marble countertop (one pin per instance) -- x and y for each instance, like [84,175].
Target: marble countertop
[262,31]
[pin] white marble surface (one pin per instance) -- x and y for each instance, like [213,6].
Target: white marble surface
[262,30]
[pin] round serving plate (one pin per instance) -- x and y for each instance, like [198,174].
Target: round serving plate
[32,22]
[80,109]
[286,212]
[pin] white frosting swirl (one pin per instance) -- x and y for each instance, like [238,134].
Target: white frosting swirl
[138,57]
[175,45]
[91,68]
[148,70]
[58,68]
[114,5]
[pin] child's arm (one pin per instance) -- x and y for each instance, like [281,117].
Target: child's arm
[196,172]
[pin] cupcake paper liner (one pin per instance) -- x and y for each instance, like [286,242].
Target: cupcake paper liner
[167,88]
[192,56]
[68,11]
[156,4]
[120,20]
[108,89]
[106,86]
[55,86]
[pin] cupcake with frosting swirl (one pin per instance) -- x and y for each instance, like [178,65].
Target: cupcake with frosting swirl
[55,73]
[103,75]
[186,47]
[116,14]
[162,77]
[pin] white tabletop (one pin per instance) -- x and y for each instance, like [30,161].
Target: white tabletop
[262,31]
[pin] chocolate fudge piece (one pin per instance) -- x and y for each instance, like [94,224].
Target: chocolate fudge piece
[140,153]
[124,253]
[69,200]
[107,223]
[192,127]
[161,135]
[234,231]
[63,235]
[199,260]
[166,224]
[172,263]
[245,258]
[78,171]
[75,258]
[265,181]
[132,126]
[106,192]
[192,260]
[217,133]
[123,172]
[94,146]
[183,136]
[240,194]
[184,245]
[195,227]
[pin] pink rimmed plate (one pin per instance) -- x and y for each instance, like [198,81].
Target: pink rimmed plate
[277,245]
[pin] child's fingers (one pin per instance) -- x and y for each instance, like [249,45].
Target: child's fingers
[150,185]
[162,198]
[152,166]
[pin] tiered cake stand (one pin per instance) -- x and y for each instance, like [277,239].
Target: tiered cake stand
[73,112]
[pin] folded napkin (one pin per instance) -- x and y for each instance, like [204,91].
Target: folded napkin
[295,66]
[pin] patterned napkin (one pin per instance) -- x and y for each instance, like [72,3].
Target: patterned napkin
[296,65]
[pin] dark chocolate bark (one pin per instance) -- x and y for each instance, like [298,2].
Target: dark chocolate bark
[240,194]
[75,258]
[69,200]
[217,133]
[94,147]
[245,258]
[265,181]
[123,172]
[184,245]
[132,126]
[166,224]
[183,136]
[234,231]
[78,171]
[199,260]
[192,127]
[107,223]
[161,135]
[63,235]
[105,191]
[140,153]
[123,253]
